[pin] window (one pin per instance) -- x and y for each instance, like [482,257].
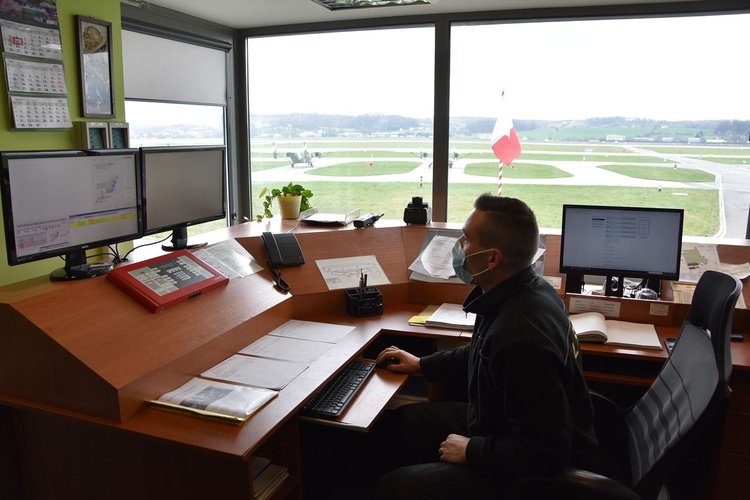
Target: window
[349,115]
[175,96]
[633,112]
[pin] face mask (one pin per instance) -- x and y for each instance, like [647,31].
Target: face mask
[459,257]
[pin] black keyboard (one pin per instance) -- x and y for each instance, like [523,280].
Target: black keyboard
[331,401]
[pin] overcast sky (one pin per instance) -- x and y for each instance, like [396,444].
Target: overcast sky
[670,69]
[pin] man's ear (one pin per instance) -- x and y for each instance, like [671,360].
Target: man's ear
[496,258]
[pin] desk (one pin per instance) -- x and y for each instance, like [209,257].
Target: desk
[79,360]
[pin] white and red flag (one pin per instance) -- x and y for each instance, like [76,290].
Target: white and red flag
[504,141]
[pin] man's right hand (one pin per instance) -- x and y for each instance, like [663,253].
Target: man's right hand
[398,361]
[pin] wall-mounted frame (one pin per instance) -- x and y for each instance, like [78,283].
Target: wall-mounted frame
[93,135]
[119,135]
[97,73]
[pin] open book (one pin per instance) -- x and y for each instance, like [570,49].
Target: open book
[216,399]
[593,327]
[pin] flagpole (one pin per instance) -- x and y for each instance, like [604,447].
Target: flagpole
[504,142]
[500,180]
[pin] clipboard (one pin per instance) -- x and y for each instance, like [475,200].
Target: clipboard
[167,280]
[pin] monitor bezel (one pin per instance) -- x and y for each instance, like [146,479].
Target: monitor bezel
[667,275]
[183,223]
[7,205]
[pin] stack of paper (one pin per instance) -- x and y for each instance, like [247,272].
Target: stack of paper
[421,318]
[444,316]
[434,262]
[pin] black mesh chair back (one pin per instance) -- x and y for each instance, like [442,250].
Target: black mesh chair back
[688,389]
[641,446]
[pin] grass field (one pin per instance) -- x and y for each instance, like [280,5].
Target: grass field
[536,162]
[391,198]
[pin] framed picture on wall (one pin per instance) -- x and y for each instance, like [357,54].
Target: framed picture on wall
[95,61]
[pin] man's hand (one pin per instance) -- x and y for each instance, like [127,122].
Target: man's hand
[398,361]
[453,449]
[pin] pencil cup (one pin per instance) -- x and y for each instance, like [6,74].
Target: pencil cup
[364,302]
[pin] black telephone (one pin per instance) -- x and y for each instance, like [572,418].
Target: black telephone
[282,250]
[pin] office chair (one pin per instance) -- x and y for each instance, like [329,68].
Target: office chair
[640,447]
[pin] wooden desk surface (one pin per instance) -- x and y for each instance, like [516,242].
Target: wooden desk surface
[128,355]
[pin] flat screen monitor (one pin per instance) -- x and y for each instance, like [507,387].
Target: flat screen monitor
[182,186]
[62,203]
[620,242]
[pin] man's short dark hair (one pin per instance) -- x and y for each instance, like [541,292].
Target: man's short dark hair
[513,229]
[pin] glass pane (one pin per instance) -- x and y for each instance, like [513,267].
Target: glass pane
[153,124]
[636,112]
[348,115]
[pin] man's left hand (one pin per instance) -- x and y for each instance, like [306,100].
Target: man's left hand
[453,449]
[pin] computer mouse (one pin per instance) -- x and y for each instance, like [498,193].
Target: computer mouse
[388,362]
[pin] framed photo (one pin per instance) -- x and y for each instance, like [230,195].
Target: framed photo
[95,61]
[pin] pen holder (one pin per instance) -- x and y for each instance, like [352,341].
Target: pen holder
[368,302]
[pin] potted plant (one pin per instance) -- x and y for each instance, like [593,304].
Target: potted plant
[292,198]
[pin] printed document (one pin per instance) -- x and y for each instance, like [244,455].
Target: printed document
[256,372]
[347,272]
[311,330]
[216,399]
[286,348]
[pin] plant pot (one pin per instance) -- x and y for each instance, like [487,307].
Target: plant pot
[289,206]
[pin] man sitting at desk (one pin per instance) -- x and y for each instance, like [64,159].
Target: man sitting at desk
[529,409]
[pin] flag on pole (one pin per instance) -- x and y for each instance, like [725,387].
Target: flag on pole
[504,141]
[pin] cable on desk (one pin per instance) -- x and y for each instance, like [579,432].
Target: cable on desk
[280,282]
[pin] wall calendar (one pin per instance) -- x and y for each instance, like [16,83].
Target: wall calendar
[34,72]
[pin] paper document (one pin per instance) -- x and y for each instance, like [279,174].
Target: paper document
[421,318]
[437,258]
[311,330]
[739,271]
[346,272]
[229,258]
[256,372]
[695,259]
[216,399]
[288,349]
[451,316]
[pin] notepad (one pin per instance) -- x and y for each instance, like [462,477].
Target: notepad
[594,327]
[421,318]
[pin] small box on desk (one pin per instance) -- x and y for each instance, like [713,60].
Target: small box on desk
[366,302]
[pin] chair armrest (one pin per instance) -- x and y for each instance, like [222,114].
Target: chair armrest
[570,484]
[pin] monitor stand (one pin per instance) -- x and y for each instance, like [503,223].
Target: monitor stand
[77,268]
[613,286]
[574,283]
[180,241]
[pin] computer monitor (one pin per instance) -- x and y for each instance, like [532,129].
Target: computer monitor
[62,203]
[182,186]
[620,242]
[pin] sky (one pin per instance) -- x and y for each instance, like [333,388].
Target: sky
[670,69]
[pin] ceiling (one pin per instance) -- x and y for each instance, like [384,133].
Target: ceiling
[258,13]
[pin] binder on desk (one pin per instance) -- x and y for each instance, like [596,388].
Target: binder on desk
[167,280]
